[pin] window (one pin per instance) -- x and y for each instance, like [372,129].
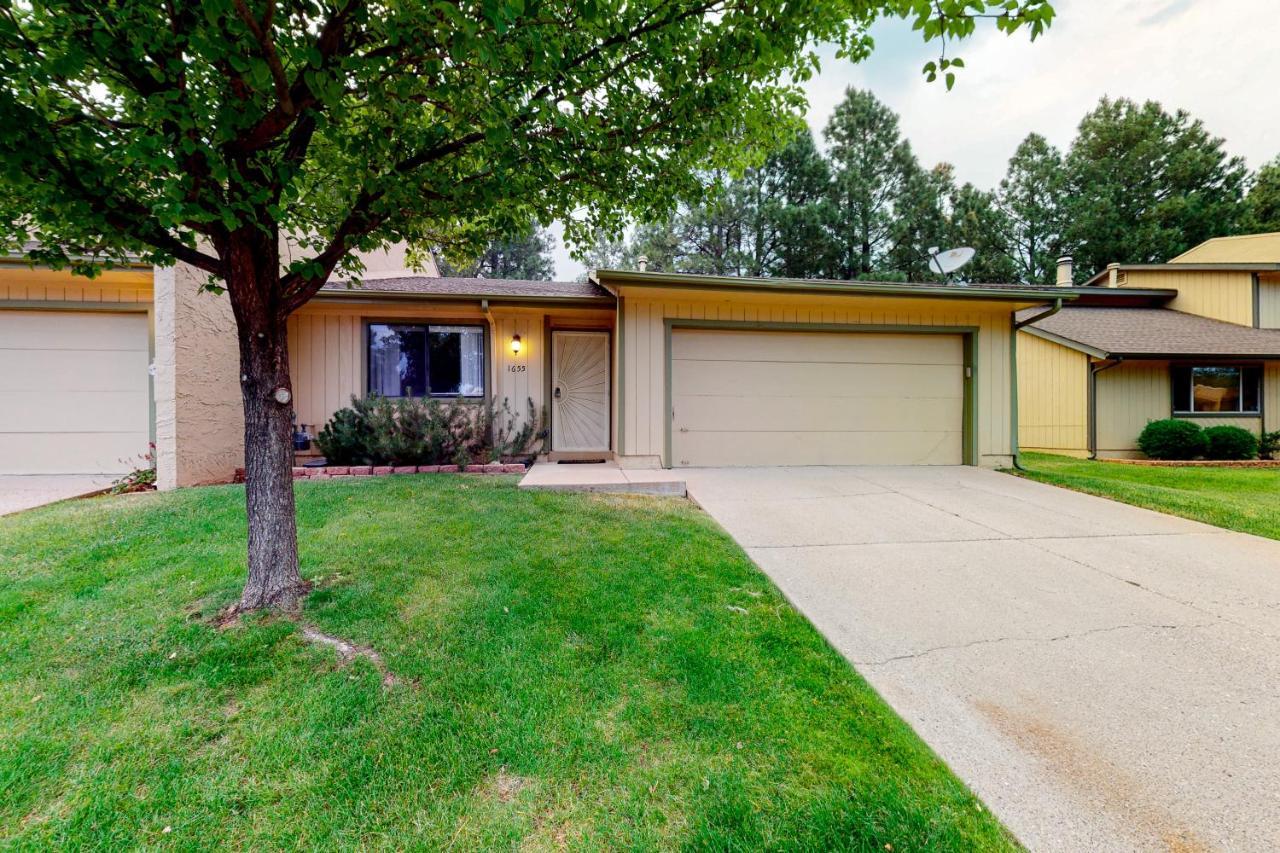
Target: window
[1216,388]
[416,361]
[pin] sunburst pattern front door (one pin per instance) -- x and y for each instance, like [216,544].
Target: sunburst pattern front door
[579,391]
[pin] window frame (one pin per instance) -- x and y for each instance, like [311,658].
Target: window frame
[1191,366]
[426,326]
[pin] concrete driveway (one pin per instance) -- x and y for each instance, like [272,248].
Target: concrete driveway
[23,491]
[1104,677]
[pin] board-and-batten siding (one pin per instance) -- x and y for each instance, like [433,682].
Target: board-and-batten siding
[327,350]
[1225,295]
[644,357]
[1135,392]
[1053,397]
[1269,302]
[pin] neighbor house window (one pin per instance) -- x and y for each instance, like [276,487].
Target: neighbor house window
[410,360]
[1219,388]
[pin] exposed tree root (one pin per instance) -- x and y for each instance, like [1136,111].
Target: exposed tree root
[348,652]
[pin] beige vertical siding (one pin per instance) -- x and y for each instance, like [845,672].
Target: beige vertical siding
[1223,295]
[644,357]
[1053,396]
[1269,302]
[1136,392]
[327,341]
[1129,395]
[21,284]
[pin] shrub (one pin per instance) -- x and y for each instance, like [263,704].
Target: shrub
[1171,438]
[413,431]
[1230,442]
[1269,446]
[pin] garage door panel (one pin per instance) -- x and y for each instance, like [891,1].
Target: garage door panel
[809,379]
[700,414]
[74,411]
[74,392]
[72,370]
[73,453]
[863,348]
[727,449]
[786,398]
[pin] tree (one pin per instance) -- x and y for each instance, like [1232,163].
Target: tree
[977,221]
[920,219]
[870,163]
[1032,198]
[525,255]
[792,229]
[1262,205]
[1144,185]
[208,132]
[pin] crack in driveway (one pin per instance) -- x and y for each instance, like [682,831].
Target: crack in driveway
[1074,635]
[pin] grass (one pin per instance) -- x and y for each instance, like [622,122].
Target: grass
[1244,499]
[577,673]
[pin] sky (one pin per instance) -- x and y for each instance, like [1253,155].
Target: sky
[1217,59]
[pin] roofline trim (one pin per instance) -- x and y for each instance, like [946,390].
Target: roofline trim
[1221,266]
[10,260]
[492,299]
[1066,342]
[688,281]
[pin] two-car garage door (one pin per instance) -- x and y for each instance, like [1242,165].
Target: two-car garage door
[74,392]
[816,398]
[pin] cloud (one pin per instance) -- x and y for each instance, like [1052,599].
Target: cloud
[1216,60]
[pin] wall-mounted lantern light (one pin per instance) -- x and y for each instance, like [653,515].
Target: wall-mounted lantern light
[515,344]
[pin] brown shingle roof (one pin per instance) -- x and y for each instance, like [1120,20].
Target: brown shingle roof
[481,288]
[1155,332]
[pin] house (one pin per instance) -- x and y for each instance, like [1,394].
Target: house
[1197,338]
[652,369]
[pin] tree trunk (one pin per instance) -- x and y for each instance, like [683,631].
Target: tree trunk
[274,580]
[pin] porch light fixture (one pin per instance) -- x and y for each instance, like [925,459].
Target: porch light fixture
[515,344]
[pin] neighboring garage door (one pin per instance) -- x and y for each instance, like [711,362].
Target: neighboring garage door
[74,392]
[816,398]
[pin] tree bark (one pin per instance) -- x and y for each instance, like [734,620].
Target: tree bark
[273,579]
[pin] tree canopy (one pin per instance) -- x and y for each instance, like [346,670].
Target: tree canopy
[525,254]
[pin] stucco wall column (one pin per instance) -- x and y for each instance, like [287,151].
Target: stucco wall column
[199,419]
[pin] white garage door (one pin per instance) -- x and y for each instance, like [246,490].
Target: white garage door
[74,392]
[816,398]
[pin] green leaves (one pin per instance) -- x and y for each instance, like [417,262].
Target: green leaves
[159,127]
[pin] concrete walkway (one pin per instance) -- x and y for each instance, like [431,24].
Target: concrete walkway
[602,477]
[25,491]
[1104,677]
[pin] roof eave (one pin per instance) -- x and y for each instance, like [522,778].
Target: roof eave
[610,279]
[492,299]
[1067,342]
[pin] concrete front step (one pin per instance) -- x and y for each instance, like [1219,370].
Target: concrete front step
[604,477]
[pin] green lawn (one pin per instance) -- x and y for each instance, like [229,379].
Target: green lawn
[576,672]
[1244,499]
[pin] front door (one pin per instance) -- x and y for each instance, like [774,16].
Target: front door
[580,391]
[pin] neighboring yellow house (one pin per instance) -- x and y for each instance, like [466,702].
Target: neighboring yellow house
[1196,338]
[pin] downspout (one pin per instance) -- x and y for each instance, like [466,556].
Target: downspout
[1015,325]
[1094,370]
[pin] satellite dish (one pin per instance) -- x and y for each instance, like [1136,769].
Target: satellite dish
[945,263]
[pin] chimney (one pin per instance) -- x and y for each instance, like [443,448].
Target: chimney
[642,263]
[1064,271]
[1113,275]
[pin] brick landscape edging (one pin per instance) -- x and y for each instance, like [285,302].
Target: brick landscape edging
[329,472]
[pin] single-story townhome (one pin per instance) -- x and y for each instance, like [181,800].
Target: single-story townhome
[1196,338]
[651,369]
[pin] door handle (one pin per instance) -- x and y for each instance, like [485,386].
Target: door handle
[557,393]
